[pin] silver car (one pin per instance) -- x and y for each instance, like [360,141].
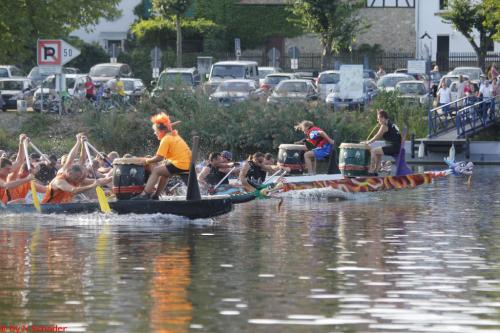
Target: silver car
[233,91]
[293,91]
[327,81]
[414,92]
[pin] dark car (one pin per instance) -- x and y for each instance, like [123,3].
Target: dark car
[334,100]
[185,79]
[233,91]
[272,80]
[293,91]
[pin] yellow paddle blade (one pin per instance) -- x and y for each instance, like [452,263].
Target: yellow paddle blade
[103,201]
[35,197]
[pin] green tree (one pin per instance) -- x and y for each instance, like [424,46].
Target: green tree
[335,21]
[253,24]
[493,19]
[22,22]
[469,18]
[177,8]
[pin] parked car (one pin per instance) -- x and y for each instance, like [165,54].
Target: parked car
[293,91]
[334,100]
[37,77]
[228,70]
[14,89]
[187,79]
[473,73]
[232,91]
[264,71]
[454,89]
[102,73]
[10,71]
[272,80]
[326,82]
[134,89]
[450,78]
[74,85]
[388,82]
[414,92]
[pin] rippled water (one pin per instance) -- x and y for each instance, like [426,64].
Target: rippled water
[425,260]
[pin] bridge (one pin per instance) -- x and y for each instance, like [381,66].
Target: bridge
[461,118]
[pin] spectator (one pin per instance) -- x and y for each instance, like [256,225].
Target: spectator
[90,92]
[461,89]
[494,72]
[444,98]
[435,78]
[269,159]
[381,72]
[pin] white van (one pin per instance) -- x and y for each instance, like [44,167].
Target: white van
[230,70]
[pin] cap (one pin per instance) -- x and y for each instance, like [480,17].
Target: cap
[227,155]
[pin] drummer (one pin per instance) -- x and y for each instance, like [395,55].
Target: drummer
[173,157]
[392,136]
[320,140]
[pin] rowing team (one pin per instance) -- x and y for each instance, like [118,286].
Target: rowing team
[173,157]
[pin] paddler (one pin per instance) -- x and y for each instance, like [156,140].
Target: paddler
[216,171]
[9,171]
[392,136]
[172,157]
[320,140]
[254,171]
[71,178]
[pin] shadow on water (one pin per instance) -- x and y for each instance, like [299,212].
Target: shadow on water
[425,260]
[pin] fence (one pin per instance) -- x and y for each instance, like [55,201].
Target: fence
[312,61]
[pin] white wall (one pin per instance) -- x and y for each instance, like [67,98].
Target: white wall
[428,21]
[119,27]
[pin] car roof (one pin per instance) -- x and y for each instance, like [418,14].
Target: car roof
[180,70]
[236,62]
[281,74]
[467,67]
[15,78]
[110,64]
[297,81]
[269,67]
[411,82]
[238,81]
[329,72]
[397,75]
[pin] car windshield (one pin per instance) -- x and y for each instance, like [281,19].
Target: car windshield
[11,85]
[292,87]
[472,73]
[275,79]
[4,72]
[234,87]
[176,78]
[391,81]
[233,71]
[50,82]
[104,71]
[264,72]
[329,78]
[411,88]
[128,85]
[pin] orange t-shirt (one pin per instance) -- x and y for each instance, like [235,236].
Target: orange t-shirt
[57,196]
[20,191]
[176,150]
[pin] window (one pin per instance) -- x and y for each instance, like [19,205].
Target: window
[16,71]
[443,4]
[390,3]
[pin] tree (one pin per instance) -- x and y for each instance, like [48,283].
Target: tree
[178,8]
[493,19]
[335,21]
[253,24]
[22,22]
[469,18]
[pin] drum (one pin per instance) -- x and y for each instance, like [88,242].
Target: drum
[129,177]
[292,156]
[354,159]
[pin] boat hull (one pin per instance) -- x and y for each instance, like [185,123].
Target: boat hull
[204,208]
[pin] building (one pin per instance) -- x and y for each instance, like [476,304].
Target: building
[109,33]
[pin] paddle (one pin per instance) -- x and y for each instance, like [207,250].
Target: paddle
[100,155]
[223,179]
[42,155]
[101,196]
[36,203]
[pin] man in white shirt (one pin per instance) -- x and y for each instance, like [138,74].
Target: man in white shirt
[444,98]
[486,92]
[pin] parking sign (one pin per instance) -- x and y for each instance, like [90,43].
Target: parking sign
[55,52]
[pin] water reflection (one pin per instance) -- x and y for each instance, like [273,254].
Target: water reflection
[426,260]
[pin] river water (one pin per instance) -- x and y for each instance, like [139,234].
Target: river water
[423,260]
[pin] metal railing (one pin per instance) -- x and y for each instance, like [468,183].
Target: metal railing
[463,115]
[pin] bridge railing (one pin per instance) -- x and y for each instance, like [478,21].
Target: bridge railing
[440,118]
[475,116]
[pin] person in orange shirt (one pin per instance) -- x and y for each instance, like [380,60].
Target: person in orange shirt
[18,193]
[173,157]
[71,179]
[10,169]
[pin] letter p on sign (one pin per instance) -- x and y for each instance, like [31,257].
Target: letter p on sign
[49,52]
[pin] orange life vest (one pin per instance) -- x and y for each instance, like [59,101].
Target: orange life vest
[57,196]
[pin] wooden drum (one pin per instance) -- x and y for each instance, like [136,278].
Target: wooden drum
[129,177]
[292,156]
[354,159]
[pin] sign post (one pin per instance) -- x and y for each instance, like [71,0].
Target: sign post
[293,54]
[237,48]
[156,61]
[52,54]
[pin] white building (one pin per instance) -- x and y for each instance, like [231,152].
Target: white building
[109,33]
[443,40]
